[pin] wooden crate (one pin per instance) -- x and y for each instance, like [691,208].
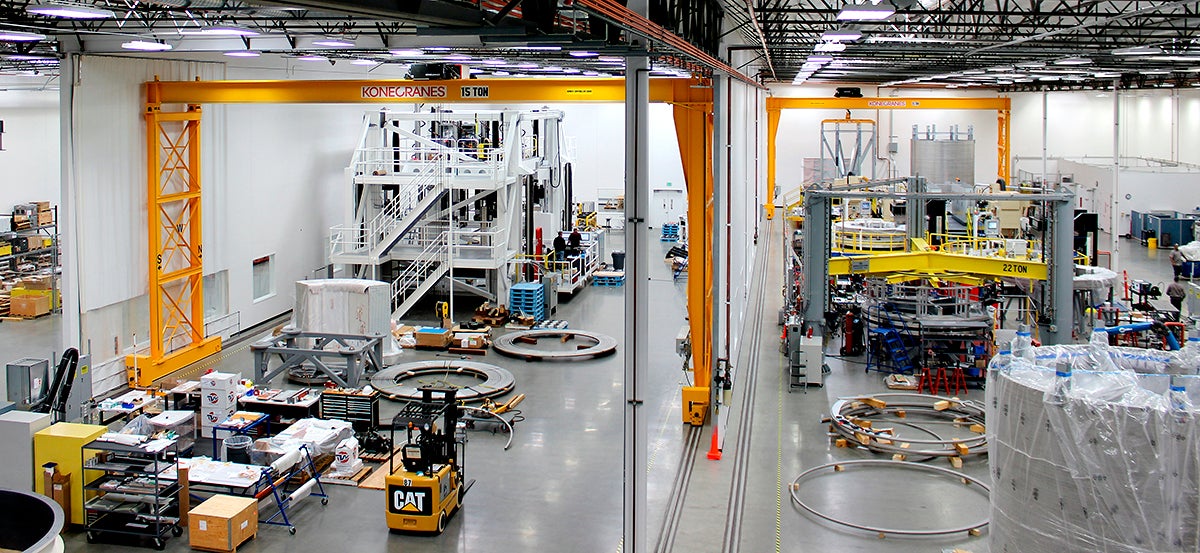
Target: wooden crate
[222,523]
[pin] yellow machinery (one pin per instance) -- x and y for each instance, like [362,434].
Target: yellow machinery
[427,489]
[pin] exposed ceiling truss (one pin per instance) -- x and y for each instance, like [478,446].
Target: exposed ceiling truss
[984,42]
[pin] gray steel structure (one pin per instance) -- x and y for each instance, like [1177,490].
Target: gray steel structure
[356,354]
[1057,309]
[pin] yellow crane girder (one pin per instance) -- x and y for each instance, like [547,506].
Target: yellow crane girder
[933,265]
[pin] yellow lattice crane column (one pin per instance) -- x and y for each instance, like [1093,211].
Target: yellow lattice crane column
[176,272]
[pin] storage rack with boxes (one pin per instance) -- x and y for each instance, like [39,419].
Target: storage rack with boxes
[29,261]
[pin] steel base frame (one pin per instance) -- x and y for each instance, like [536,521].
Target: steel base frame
[356,353]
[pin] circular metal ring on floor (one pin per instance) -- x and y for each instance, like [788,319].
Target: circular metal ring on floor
[392,381]
[794,490]
[513,345]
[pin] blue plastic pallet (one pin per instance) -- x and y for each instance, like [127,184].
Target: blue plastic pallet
[608,281]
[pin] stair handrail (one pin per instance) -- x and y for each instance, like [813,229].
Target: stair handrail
[410,277]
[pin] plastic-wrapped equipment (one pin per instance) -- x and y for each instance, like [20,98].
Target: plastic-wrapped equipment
[347,306]
[1094,448]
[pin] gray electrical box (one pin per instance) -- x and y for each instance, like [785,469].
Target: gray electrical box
[80,398]
[28,380]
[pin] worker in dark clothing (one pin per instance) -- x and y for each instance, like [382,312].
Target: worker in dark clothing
[1176,292]
[560,247]
[574,240]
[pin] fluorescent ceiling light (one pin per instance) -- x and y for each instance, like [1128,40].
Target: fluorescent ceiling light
[366,62]
[20,36]
[70,11]
[1137,51]
[527,66]
[1004,81]
[219,30]
[333,43]
[311,57]
[242,54]
[590,73]
[1031,64]
[1073,61]
[810,66]
[819,59]
[1167,85]
[552,68]
[543,48]
[570,70]
[474,71]
[866,12]
[611,59]
[1106,75]
[829,47]
[458,57]
[973,72]
[145,45]
[407,53]
[583,54]
[495,62]
[1194,57]
[438,48]
[1048,77]
[29,57]
[500,73]
[909,39]
[838,35]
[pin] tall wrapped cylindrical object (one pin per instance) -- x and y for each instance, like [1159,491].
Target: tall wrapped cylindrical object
[1092,461]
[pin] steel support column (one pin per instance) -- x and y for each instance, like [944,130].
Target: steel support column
[1062,273]
[176,275]
[637,298]
[816,256]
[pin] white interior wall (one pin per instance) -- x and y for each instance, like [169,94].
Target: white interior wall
[747,194]
[29,161]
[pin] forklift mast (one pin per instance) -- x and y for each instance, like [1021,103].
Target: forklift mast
[430,441]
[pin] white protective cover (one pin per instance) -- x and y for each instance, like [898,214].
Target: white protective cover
[347,306]
[1100,460]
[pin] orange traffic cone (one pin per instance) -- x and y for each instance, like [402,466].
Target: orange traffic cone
[714,450]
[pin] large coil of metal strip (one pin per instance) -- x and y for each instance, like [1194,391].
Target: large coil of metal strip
[513,344]
[402,382]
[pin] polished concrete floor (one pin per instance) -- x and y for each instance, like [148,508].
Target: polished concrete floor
[559,487]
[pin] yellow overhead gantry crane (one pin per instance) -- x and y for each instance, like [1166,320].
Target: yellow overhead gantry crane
[775,105]
[173,181]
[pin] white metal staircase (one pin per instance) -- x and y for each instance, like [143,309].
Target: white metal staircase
[420,275]
[368,244]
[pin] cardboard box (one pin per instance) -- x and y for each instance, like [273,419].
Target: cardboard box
[212,417]
[226,382]
[38,282]
[432,337]
[45,217]
[222,523]
[41,206]
[29,306]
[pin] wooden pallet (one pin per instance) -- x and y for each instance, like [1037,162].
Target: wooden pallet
[377,480]
[351,480]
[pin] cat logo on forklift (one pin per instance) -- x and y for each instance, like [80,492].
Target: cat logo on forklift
[408,500]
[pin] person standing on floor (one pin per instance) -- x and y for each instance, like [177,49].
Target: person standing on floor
[1176,259]
[1176,292]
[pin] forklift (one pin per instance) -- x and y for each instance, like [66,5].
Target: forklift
[427,489]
